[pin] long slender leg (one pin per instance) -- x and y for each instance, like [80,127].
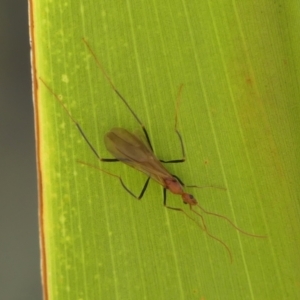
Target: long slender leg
[180,181]
[206,186]
[131,193]
[134,114]
[117,92]
[197,186]
[175,161]
[165,202]
[122,182]
[181,210]
[177,132]
[78,126]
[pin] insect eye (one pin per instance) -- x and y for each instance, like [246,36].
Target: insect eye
[191,196]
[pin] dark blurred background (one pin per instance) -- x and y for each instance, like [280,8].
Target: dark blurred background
[19,245]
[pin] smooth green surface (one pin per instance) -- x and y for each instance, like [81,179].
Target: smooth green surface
[239,117]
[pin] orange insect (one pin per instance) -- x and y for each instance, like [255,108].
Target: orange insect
[133,151]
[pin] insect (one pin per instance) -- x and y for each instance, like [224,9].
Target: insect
[131,150]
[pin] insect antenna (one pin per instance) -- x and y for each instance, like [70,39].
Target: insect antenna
[203,227]
[208,233]
[229,221]
[221,216]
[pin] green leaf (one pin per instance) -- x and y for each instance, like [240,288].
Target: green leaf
[239,118]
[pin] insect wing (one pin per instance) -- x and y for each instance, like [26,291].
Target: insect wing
[132,151]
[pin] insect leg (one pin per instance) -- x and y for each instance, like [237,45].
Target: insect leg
[177,132]
[131,193]
[206,186]
[178,209]
[119,177]
[180,181]
[181,210]
[165,202]
[78,126]
[197,186]
[117,92]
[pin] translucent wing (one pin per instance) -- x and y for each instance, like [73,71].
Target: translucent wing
[131,150]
